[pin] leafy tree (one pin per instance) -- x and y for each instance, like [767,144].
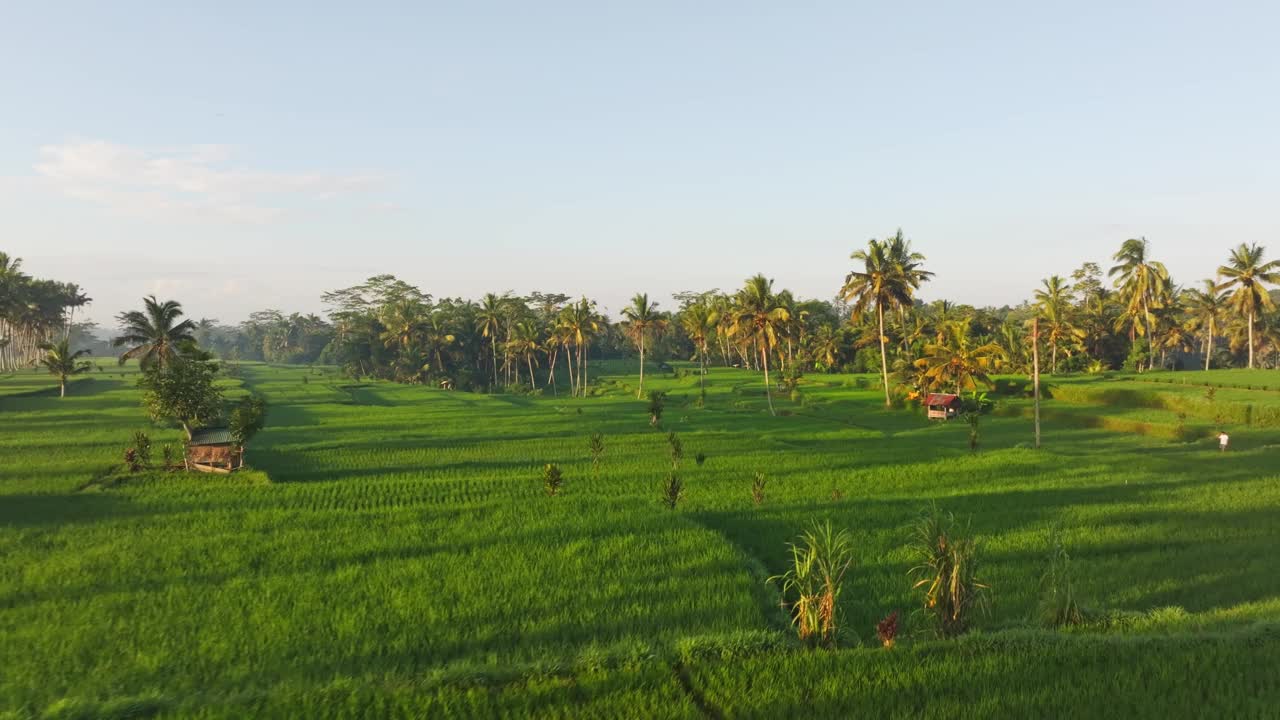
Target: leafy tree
[62,363]
[1248,276]
[182,390]
[248,417]
[155,336]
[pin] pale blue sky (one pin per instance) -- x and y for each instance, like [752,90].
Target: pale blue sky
[236,156]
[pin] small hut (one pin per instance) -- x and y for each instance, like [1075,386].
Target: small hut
[942,406]
[213,450]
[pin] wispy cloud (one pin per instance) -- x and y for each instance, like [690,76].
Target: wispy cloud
[197,180]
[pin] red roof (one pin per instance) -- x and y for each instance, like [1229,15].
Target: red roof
[941,399]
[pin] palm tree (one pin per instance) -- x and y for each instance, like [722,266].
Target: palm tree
[890,276]
[1248,275]
[824,347]
[489,323]
[154,335]
[956,363]
[1140,280]
[699,321]
[62,363]
[524,344]
[1206,307]
[759,317]
[1054,303]
[642,317]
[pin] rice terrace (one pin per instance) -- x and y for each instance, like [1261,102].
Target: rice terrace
[613,361]
[423,508]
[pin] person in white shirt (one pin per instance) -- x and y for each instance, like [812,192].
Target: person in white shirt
[1223,440]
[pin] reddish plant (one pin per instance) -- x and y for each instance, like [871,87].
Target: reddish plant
[887,629]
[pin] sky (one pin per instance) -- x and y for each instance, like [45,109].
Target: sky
[237,156]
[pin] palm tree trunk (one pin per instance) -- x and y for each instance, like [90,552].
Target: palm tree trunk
[1035,373]
[1208,353]
[493,345]
[62,387]
[1055,358]
[640,390]
[582,371]
[1251,339]
[768,396]
[884,358]
[532,380]
[551,374]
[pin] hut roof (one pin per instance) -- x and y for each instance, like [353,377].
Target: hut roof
[941,399]
[211,436]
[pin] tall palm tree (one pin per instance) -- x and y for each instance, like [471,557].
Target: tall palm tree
[699,321]
[489,322]
[1249,275]
[759,317]
[154,335]
[1054,303]
[1140,280]
[642,319]
[1205,308]
[62,363]
[524,345]
[824,347]
[890,276]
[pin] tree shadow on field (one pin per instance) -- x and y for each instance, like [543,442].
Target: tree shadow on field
[36,510]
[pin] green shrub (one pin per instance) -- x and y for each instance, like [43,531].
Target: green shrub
[947,569]
[552,478]
[672,491]
[812,585]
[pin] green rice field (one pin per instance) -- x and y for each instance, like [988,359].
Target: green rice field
[392,553]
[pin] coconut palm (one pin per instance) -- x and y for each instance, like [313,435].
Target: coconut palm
[489,322]
[1053,302]
[758,317]
[958,364]
[642,318]
[824,347]
[1140,280]
[699,321]
[154,335]
[524,344]
[890,276]
[1248,276]
[62,363]
[1205,308]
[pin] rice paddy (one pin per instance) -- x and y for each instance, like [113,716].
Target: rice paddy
[393,553]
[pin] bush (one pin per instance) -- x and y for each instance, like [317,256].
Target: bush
[657,403]
[552,478]
[757,488]
[819,562]
[1058,605]
[947,568]
[596,445]
[672,490]
[677,450]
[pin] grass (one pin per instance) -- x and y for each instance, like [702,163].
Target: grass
[394,553]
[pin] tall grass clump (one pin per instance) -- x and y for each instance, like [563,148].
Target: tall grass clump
[819,561]
[596,445]
[672,490]
[1058,603]
[677,450]
[757,488]
[552,478]
[657,403]
[947,568]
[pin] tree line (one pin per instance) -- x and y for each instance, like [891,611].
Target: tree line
[1128,314]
